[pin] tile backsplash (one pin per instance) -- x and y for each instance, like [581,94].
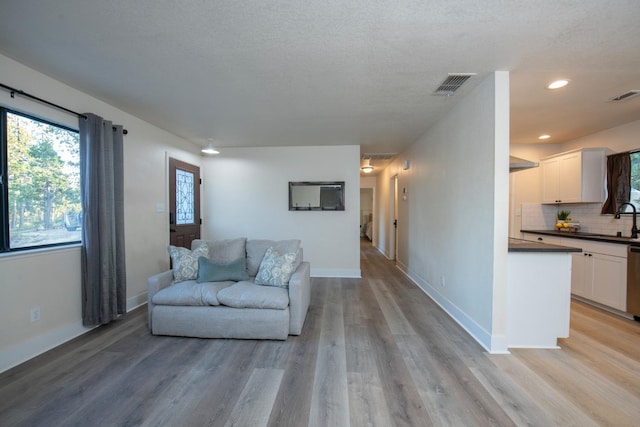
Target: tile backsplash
[536,216]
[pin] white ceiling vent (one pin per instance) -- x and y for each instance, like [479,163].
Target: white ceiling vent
[452,83]
[626,95]
[378,156]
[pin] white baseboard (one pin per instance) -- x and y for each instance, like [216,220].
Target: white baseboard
[493,344]
[34,347]
[336,272]
[136,301]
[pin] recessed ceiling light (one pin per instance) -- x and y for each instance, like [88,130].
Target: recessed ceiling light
[209,149]
[557,84]
[545,136]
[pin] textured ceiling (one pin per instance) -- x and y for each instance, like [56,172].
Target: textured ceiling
[317,72]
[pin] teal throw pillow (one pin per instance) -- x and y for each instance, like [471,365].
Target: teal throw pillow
[211,271]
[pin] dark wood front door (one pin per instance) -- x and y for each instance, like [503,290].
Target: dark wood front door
[184,203]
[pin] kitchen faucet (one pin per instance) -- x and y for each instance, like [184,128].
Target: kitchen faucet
[634,228]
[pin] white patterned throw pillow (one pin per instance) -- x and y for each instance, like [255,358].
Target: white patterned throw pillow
[185,262]
[276,269]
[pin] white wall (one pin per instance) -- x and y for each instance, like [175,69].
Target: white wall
[50,279]
[453,223]
[245,192]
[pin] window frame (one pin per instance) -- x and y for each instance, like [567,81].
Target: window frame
[635,158]
[5,246]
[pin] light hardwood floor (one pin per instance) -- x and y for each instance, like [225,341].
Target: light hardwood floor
[374,351]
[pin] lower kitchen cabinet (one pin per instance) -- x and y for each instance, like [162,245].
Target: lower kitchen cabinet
[600,278]
[610,281]
[552,240]
[599,273]
[581,275]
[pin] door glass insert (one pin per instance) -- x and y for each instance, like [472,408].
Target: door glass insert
[185,208]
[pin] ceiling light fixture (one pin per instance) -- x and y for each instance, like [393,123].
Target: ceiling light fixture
[209,149]
[367,168]
[545,136]
[558,84]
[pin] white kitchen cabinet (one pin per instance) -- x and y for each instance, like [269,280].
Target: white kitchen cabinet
[599,273]
[552,240]
[574,177]
[599,276]
[610,281]
[581,275]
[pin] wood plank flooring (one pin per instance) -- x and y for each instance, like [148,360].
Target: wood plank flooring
[374,351]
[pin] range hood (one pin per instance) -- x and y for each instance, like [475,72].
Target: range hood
[518,164]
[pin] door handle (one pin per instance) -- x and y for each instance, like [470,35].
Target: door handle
[172,218]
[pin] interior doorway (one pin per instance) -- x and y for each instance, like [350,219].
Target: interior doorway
[366,214]
[184,203]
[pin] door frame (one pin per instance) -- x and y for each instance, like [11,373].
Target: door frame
[194,229]
[393,218]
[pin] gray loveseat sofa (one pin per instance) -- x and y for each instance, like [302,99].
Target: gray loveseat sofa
[192,305]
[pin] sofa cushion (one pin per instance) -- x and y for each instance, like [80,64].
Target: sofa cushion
[190,293]
[250,295]
[185,262]
[276,269]
[211,271]
[257,248]
[223,251]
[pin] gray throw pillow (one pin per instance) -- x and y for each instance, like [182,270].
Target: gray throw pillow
[276,269]
[224,251]
[211,271]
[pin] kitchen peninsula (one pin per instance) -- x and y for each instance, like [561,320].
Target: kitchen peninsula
[538,293]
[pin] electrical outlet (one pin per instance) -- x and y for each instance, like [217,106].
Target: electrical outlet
[35,314]
[442,281]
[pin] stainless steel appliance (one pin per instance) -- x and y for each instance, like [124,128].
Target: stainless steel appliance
[633,282]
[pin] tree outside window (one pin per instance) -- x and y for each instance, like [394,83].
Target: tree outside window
[43,170]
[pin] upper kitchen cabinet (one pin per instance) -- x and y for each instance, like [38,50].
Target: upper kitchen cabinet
[574,177]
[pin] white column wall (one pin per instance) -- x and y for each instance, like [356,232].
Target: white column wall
[453,224]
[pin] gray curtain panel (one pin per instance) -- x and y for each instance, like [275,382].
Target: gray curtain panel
[618,182]
[104,290]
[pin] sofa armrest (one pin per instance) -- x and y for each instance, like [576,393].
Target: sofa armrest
[154,285]
[299,297]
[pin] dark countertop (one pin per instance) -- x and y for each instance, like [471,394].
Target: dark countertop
[588,236]
[519,245]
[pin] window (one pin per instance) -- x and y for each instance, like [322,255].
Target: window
[635,179]
[40,172]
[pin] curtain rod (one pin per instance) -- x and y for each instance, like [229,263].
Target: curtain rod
[13,92]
